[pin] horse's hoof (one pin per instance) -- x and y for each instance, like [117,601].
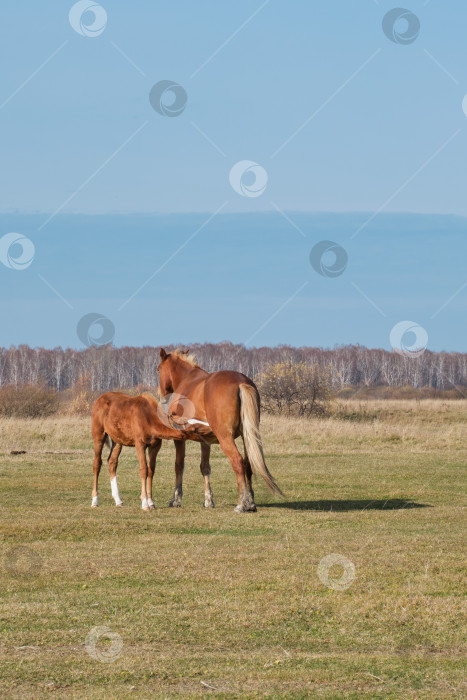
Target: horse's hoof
[152,507]
[209,504]
[94,505]
[245,509]
[119,505]
[175,504]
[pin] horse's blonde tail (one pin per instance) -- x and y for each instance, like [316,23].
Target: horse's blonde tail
[249,413]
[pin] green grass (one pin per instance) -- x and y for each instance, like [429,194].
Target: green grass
[208,602]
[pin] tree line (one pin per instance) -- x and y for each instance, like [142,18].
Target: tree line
[107,367]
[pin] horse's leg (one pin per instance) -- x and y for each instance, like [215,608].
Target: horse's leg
[143,473]
[176,501]
[206,472]
[248,473]
[98,446]
[113,463]
[152,451]
[242,469]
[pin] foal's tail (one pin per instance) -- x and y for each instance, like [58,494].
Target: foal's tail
[249,413]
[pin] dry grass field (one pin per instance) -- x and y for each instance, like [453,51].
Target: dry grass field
[211,603]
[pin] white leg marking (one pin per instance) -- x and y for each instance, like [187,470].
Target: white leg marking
[144,504]
[208,497]
[115,492]
[94,502]
[151,504]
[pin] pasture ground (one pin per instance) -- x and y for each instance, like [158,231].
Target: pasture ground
[210,603]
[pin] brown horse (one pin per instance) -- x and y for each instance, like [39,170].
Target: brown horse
[229,404]
[139,421]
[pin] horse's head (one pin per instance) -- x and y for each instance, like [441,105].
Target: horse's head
[165,374]
[170,363]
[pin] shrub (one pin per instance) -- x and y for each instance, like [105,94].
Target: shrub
[296,388]
[78,400]
[28,401]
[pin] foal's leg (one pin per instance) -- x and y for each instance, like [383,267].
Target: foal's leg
[176,501]
[98,445]
[206,472]
[143,473]
[113,463]
[152,451]
[242,469]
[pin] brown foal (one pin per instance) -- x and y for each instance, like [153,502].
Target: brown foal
[118,419]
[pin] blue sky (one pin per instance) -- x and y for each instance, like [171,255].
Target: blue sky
[348,126]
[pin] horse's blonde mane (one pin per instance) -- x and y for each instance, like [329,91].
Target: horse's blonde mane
[178,352]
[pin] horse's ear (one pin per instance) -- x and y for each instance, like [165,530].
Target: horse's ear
[186,352]
[163,354]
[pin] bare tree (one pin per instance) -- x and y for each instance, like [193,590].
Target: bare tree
[108,367]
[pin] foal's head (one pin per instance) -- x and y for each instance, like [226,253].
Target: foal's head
[170,362]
